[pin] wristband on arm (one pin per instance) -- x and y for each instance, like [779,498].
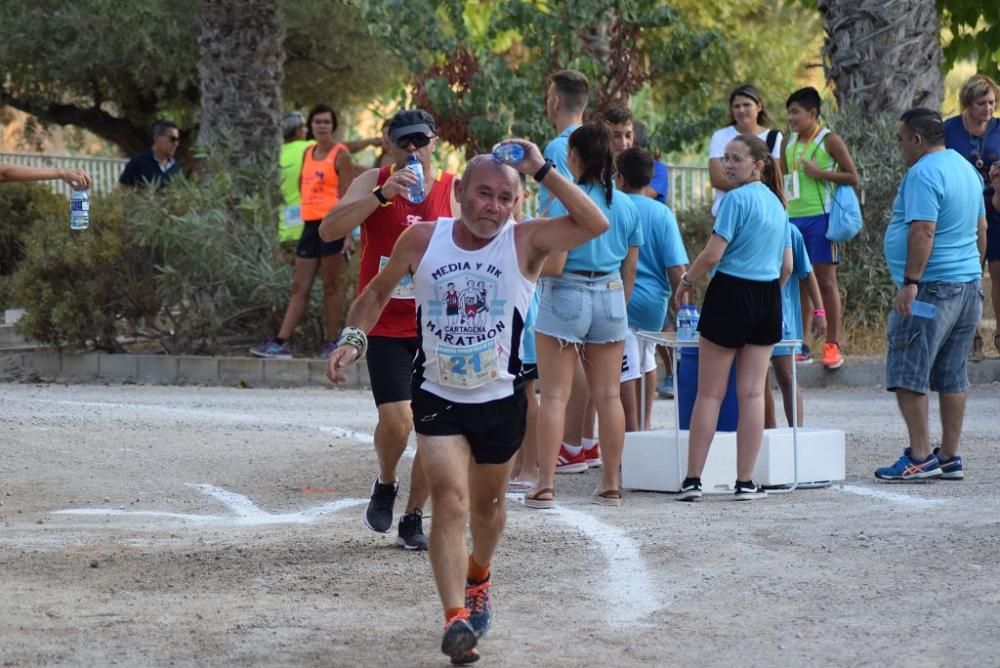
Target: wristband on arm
[819,312]
[352,336]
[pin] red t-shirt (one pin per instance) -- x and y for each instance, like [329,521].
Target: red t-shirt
[379,233]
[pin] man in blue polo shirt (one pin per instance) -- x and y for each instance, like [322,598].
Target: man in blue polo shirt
[156,165]
[565,102]
[934,247]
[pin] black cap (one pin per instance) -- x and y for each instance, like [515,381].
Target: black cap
[411,122]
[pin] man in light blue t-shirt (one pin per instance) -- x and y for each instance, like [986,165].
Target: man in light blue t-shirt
[662,260]
[565,103]
[934,246]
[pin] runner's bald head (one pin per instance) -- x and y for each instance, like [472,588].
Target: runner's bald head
[479,164]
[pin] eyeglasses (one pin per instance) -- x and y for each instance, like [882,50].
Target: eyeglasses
[419,140]
[172,139]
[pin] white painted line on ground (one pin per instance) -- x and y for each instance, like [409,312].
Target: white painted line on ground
[244,511]
[893,497]
[628,586]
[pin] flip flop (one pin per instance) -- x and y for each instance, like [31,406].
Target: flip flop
[531,499]
[609,497]
[520,486]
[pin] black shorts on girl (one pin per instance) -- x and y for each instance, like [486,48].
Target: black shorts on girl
[494,429]
[738,311]
[311,246]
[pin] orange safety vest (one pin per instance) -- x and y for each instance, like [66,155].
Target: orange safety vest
[319,183]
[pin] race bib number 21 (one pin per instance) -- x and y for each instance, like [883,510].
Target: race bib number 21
[468,366]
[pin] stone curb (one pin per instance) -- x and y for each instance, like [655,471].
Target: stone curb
[52,365]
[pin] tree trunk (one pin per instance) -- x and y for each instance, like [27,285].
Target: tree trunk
[883,56]
[241,70]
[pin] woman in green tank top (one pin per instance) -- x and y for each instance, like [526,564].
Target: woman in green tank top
[816,161]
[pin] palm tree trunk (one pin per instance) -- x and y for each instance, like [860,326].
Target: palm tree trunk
[883,56]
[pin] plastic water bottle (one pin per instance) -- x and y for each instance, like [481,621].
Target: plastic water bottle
[923,309]
[508,152]
[687,322]
[693,317]
[79,210]
[416,194]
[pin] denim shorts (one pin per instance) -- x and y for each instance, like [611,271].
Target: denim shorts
[580,309]
[931,352]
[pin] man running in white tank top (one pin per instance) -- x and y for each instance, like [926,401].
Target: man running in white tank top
[468,400]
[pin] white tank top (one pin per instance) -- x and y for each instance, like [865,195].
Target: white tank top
[471,306]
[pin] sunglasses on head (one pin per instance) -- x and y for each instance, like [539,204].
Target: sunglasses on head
[418,139]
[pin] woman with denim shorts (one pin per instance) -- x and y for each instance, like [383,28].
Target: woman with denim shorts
[749,257]
[582,314]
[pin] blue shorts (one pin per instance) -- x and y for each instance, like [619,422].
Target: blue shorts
[931,352]
[581,309]
[820,249]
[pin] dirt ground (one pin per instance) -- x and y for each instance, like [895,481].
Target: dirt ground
[222,527]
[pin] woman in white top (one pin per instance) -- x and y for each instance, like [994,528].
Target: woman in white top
[747,116]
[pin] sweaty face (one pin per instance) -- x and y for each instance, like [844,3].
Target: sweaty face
[488,195]
[744,111]
[738,163]
[622,137]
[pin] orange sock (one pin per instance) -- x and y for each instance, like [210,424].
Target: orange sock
[451,613]
[477,573]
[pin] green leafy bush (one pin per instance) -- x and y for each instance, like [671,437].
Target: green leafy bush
[21,204]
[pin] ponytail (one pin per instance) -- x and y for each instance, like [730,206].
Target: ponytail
[592,143]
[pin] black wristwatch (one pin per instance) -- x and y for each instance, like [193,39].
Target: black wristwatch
[380,196]
[543,170]
[910,281]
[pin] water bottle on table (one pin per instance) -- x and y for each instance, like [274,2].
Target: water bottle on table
[687,322]
[79,210]
[416,192]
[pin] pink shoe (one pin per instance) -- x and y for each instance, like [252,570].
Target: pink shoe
[593,456]
[568,463]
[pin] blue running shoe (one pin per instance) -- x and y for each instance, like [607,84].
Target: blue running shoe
[271,349]
[951,469]
[666,388]
[906,468]
[477,600]
[459,641]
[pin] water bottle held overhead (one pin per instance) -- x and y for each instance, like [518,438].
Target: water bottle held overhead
[416,192]
[508,152]
[79,210]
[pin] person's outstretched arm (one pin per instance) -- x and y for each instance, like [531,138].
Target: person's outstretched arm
[77,178]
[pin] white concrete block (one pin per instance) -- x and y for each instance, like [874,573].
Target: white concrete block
[650,463]
[822,456]
[12,315]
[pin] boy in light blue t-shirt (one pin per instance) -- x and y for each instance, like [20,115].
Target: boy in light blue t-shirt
[782,358]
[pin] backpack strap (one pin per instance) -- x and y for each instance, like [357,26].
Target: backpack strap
[772,139]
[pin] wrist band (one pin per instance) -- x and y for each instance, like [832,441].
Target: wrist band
[819,312]
[543,170]
[352,336]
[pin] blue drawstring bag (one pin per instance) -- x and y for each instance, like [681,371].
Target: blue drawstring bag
[843,220]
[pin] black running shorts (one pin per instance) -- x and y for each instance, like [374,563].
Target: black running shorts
[493,429]
[737,311]
[390,367]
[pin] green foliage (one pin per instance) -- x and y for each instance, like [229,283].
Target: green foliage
[195,261]
[975,33]
[113,66]
[21,204]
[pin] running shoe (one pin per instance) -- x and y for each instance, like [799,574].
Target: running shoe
[378,515]
[951,469]
[411,532]
[568,463]
[327,349]
[271,349]
[593,456]
[906,468]
[477,600]
[459,641]
[804,356]
[832,359]
[690,490]
[747,490]
[666,388]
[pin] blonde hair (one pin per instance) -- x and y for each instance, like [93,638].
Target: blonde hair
[976,87]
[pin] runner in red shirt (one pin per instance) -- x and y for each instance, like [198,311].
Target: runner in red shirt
[377,202]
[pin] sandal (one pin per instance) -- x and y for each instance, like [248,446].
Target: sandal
[532,500]
[609,497]
[520,486]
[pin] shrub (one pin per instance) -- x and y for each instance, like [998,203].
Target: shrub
[21,204]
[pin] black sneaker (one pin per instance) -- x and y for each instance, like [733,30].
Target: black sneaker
[378,516]
[411,532]
[690,490]
[748,489]
[459,642]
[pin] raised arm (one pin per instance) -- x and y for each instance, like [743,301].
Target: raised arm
[359,202]
[77,178]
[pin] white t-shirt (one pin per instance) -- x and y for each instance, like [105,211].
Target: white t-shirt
[717,147]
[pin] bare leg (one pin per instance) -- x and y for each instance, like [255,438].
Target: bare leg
[769,420]
[995,299]
[630,403]
[783,373]
[751,371]
[650,381]
[952,415]
[303,274]
[590,415]
[576,408]
[333,297]
[488,513]
[395,421]
[526,467]
[602,363]
[556,364]
[714,363]
[807,316]
[913,406]
[826,276]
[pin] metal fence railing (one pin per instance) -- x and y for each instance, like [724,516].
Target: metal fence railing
[689,185]
[104,172]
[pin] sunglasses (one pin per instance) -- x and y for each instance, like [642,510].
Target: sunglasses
[173,140]
[419,140]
